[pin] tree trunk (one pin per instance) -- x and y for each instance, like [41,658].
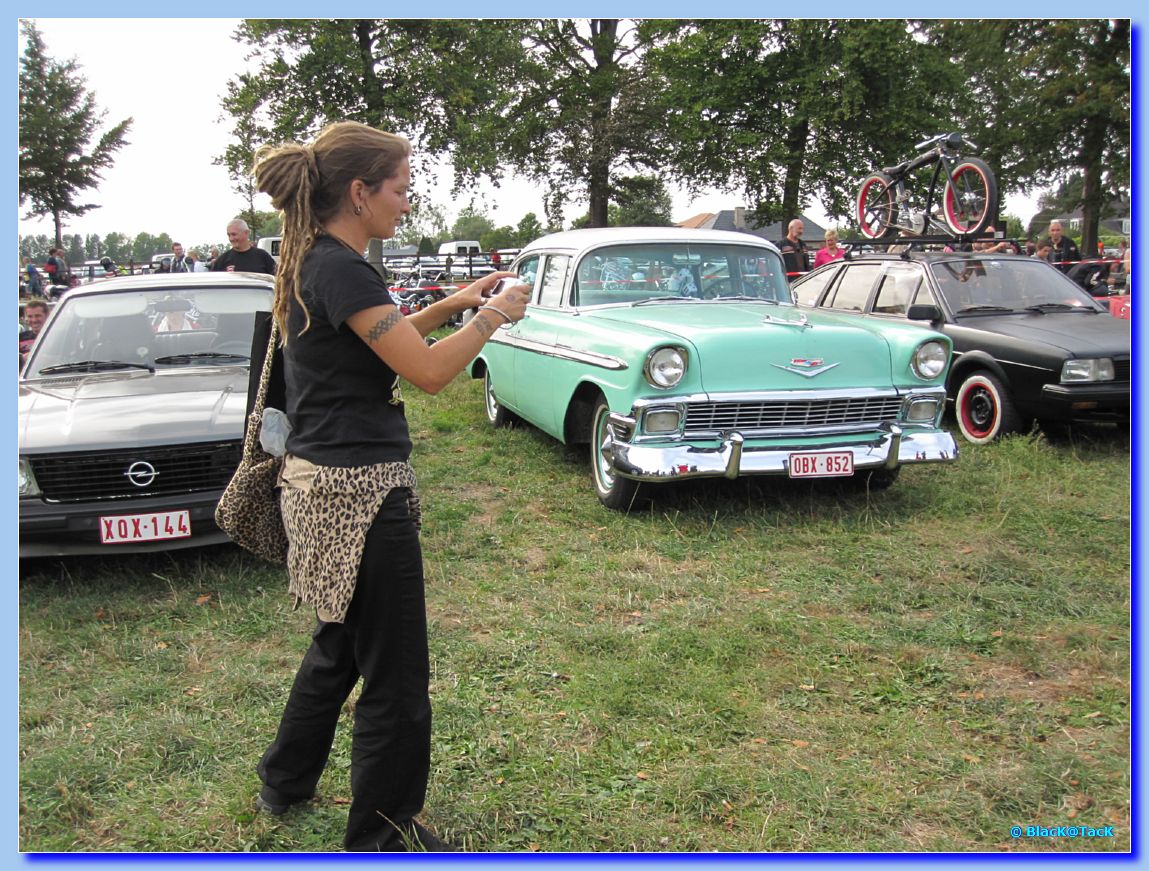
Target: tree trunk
[796,139]
[604,43]
[1091,190]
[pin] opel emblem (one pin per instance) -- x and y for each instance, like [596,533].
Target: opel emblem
[141,473]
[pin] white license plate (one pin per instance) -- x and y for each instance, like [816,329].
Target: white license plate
[125,528]
[823,464]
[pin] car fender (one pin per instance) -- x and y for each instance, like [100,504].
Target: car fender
[968,361]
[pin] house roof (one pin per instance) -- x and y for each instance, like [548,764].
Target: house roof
[728,219]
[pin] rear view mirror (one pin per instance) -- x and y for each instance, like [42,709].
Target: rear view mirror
[924,312]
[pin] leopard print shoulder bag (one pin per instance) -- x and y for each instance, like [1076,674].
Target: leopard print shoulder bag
[248,511]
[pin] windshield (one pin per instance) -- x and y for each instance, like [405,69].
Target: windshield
[1008,284]
[629,274]
[150,329]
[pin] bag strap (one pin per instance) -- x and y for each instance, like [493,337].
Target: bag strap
[255,419]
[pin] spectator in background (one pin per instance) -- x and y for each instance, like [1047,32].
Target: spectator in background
[1044,250]
[1118,279]
[180,262]
[33,285]
[987,247]
[52,268]
[496,258]
[194,263]
[794,249]
[1065,251]
[830,251]
[243,256]
[212,257]
[35,313]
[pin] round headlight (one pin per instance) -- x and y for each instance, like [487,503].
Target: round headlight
[665,367]
[929,360]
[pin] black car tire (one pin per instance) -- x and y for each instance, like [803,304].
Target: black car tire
[984,409]
[616,493]
[496,414]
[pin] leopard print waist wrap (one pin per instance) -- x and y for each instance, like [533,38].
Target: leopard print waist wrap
[327,511]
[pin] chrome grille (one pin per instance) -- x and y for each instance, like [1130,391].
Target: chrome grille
[100,475]
[846,413]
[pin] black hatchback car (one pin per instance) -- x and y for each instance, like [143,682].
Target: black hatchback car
[1029,344]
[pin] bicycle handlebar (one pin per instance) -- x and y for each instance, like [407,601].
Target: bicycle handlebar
[953,140]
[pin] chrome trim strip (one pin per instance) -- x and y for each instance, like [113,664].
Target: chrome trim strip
[561,352]
[784,395]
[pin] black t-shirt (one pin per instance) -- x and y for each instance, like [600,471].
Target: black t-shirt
[342,400]
[794,255]
[252,260]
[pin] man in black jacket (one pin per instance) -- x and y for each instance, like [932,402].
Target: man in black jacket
[794,250]
[1065,252]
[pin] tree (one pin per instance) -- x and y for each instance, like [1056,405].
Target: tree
[643,201]
[559,101]
[789,110]
[1051,100]
[426,221]
[528,230]
[472,223]
[58,119]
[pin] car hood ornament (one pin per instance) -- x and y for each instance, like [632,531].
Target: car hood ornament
[805,366]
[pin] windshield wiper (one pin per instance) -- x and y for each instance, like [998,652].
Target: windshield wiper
[984,308]
[1043,307]
[744,298]
[94,366]
[200,355]
[665,299]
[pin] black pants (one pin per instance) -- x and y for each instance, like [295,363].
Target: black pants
[384,640]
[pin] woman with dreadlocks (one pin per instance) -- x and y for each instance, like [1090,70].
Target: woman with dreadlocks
[347,488]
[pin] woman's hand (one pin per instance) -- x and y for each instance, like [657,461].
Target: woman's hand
[511,303]
[478,292]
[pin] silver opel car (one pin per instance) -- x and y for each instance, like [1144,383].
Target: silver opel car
[132,404]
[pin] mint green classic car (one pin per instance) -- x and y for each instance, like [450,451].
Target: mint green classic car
[679,354]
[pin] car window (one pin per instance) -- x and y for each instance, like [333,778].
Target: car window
[626,274]
[896,291]
[528,270]
[809,290]
[554,277]
[1013,283]
[853,288]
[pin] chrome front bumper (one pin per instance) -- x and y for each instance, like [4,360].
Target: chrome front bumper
[891,446]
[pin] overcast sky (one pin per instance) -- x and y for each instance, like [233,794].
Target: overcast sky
[169,75]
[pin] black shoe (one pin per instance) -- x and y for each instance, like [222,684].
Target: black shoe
[408,837]
[423,840]
[276,803]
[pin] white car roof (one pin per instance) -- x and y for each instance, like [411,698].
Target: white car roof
[176,281]
[583,240]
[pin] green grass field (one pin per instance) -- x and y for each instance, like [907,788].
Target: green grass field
[757,665]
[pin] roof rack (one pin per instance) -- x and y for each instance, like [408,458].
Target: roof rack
[906,244]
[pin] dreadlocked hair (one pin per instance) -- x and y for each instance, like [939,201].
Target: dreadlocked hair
[308,185]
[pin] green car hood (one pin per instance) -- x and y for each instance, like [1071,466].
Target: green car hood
[751,346]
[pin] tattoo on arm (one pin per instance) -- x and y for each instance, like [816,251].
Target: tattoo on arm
[483,324]
[380,329]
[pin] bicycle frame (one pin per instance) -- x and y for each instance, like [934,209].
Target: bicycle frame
[940,155]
